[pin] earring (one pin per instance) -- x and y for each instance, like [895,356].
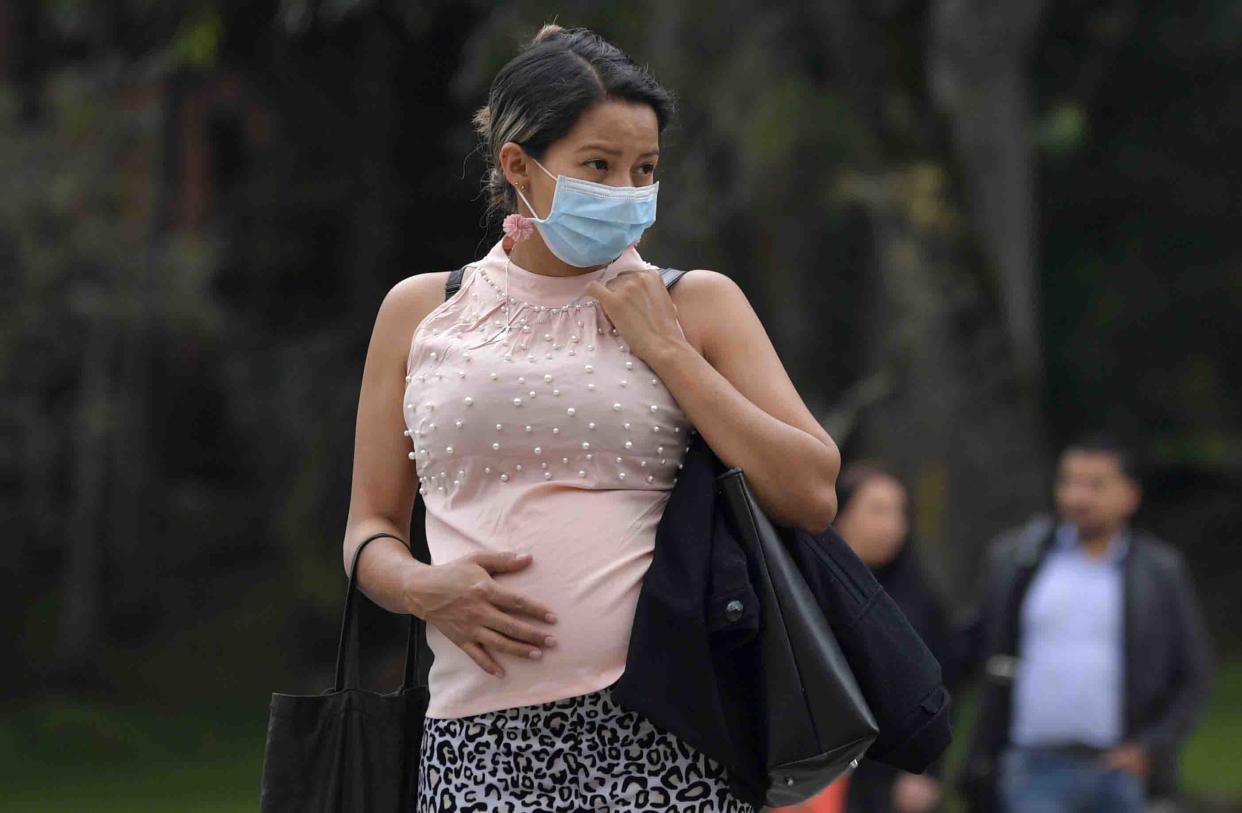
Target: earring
[518,227]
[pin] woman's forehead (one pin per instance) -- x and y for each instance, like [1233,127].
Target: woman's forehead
[617,125]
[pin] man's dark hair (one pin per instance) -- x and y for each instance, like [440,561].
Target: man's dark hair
[1103,442]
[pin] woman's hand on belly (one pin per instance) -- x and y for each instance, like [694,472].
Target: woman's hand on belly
[480,617]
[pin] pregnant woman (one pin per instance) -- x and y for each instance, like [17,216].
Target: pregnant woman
[543,411]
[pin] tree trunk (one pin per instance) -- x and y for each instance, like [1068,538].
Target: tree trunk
[978,60]
[960,369]
[77,642]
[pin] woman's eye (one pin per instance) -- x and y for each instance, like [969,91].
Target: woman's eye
[598,163]
[647,169]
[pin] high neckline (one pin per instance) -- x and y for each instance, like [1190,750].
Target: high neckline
[541,289]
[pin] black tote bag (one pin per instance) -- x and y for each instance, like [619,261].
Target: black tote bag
[347,750]
[815,722]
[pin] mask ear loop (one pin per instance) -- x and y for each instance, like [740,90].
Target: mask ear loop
[526,220]
[517,227]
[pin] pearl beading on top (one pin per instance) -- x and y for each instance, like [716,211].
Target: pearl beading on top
[563,310]
[562,443]
[426,455]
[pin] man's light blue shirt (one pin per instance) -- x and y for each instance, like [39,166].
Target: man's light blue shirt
[1069,684]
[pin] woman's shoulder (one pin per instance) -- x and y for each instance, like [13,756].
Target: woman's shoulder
[702,282]
[704,299]
[416,295]
[420,286]
[407,304]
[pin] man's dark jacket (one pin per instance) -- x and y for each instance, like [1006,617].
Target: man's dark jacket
[692,661]
[1167,655]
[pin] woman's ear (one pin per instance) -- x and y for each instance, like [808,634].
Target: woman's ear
[515,166]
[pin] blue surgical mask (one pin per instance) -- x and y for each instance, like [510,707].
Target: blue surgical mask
[592,223]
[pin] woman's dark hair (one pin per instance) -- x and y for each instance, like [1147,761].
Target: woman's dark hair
[904,572]
[857,474]
[538,96]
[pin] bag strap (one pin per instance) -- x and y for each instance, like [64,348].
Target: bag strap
[454,281]
[670,276]
[349,630]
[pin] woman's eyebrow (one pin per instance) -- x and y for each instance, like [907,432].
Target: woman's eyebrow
[605,148]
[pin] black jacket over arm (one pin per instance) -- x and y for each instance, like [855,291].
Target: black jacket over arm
[691,663]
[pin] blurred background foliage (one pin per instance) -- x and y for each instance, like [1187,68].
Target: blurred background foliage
[972,228]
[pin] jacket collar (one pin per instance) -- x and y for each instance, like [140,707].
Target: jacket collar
[1066,538]
[1035,538]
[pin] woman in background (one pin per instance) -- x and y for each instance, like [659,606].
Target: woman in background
[874,518]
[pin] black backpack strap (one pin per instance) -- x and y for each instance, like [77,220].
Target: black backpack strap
[454,281]
[670,276]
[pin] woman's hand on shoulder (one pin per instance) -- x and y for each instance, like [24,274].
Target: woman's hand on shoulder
[649,315]
[638,304]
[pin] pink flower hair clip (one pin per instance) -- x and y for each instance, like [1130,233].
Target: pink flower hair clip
[518,227]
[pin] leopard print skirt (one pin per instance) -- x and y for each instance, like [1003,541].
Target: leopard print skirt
[576,755]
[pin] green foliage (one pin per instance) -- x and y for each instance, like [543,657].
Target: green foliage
[1209,763]
[79,229]
[197,43]
[78,755]
[1063,129]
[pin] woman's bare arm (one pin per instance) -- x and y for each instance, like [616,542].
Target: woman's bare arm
[728,379]
[384,478]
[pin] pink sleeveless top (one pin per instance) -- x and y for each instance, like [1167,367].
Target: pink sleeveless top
[555,440]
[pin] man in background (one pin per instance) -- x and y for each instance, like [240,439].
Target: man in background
[1094,654]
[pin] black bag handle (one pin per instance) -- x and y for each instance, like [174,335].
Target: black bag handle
[349,631]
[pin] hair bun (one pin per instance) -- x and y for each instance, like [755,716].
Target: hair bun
[546,33]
